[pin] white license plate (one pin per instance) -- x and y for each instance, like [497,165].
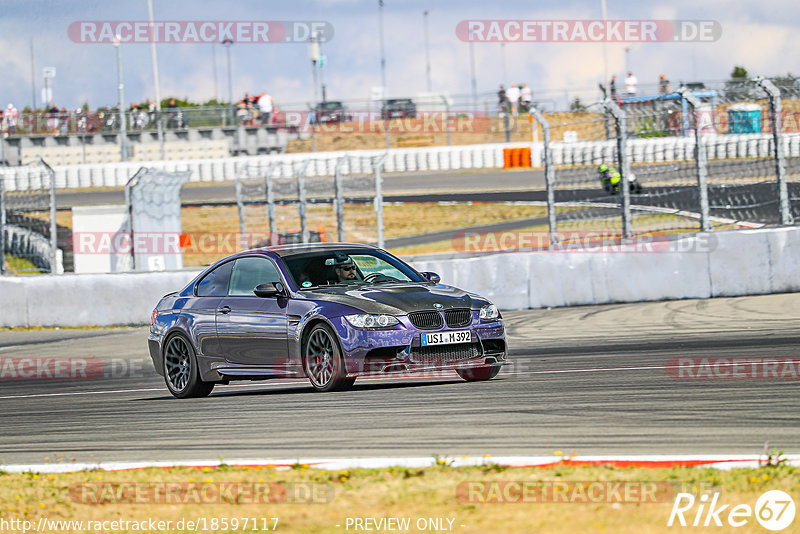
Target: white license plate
[446,338]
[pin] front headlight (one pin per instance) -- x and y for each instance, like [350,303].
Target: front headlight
[366,320]
[489,312]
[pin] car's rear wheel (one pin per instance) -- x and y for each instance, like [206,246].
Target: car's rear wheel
[180,370]
[477,374]
[323,360]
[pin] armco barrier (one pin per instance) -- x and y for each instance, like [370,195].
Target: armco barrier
[720,264]
[421,159]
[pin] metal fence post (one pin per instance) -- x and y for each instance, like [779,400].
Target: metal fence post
[378,165]
[549,174]
[53,227]
[506,112]
[240,205]
[2,146]
[621,124]
[775,110]
[700,158]
[2,227]
[338,204]
[273,227]
[447,119]
[129,208]
[301,196]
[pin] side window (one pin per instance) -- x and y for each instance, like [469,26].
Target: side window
[215,283]
[250,272]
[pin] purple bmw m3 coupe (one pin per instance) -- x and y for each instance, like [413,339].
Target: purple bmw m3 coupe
[327,312]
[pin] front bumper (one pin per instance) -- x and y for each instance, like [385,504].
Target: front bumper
[398,350]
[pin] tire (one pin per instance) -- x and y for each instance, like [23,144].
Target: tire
[322,360]
[479,374]
[181,373]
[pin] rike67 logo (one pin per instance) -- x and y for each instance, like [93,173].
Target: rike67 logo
[774,510]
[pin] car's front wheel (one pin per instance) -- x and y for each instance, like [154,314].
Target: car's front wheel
[477,374]
[180,370]
[323,360]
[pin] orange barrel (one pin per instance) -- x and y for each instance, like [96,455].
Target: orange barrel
[516,156]
[526,157]
[506,158]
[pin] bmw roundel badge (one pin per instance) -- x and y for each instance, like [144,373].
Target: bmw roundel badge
[437,306]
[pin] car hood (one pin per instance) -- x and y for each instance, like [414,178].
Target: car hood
[398,299]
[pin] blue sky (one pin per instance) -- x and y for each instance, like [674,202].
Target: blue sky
[760,35]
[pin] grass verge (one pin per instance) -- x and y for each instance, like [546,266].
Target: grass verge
[310,500]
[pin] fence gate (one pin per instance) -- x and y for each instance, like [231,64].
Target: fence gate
[153,201]
[310,201]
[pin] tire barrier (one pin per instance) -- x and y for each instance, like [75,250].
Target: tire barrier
[25,243]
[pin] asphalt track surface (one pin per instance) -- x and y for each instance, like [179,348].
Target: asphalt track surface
[591,380]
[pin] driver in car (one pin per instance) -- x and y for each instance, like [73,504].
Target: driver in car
[346,271]
[343,266]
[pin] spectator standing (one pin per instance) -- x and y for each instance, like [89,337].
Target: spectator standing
[265,104]
[64,120]
[513,97]
[630,84]
[613,87]
[10,118]
[52,118]
[151,112]
[175,115]
[241,113]
[525,98]
[502,100]
[663,85]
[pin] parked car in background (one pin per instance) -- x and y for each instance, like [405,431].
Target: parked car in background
[331,111]
[399,108]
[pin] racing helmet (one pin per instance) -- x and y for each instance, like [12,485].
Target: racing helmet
[602,168]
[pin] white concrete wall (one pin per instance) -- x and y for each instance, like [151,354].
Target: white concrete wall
[733,263]
[85,299]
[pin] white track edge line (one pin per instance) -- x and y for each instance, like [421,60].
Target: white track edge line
[717,461]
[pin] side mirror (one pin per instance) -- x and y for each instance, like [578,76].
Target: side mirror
[273,289]
[432,277]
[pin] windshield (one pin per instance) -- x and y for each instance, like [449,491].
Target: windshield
[344,267]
